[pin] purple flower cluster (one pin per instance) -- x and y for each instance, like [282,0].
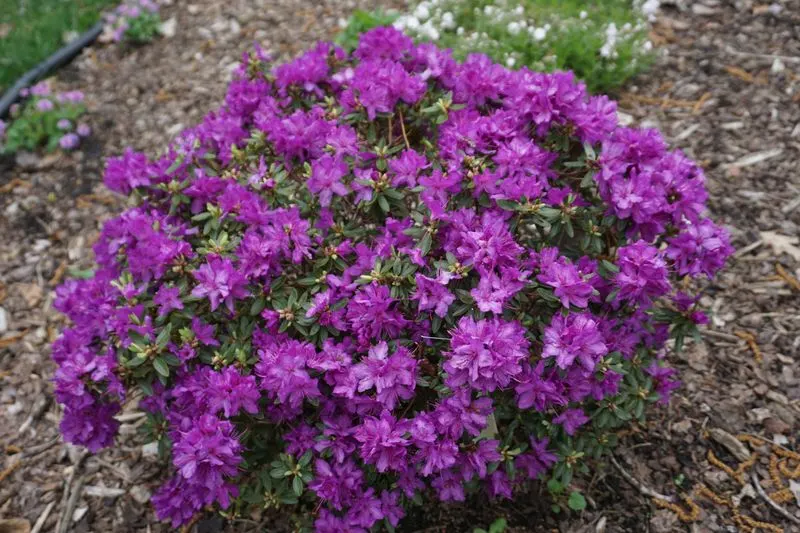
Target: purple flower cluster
[129,16]
[371,278]
[47,118]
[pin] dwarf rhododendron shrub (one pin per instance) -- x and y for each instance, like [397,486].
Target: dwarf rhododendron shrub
[371,280]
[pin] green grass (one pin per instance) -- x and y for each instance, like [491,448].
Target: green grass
[36,29]
[573,42]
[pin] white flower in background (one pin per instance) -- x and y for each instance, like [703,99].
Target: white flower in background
[510,61]
[428,30]
[627,27]
[448,21]
[514,28]
[422,11]
[407,22]
[650,8]
[539,34]
[488,10]
[519,10]
[647,46]
[583,14]
[608,48]
[460,31]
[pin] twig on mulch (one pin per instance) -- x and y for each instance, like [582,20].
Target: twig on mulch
[698,106]
[33,451]
[66,515]
[791,59]
[644,489]
[771,502]
[749,437]
[750,339]
[8,341]
[37,527]
[38,409]
[788,278]
[747,249]
[10,470]
[719,335]
[663,102]
[66,497]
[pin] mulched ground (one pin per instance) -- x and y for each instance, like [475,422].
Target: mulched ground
[726,90]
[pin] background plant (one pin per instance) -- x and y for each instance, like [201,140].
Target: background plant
[374,279]
[34,30]
[604,43]
[45,120]
[136,21]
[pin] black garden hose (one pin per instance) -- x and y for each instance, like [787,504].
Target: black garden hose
[57,59]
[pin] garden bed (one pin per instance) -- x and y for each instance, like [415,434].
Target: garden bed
[718,59]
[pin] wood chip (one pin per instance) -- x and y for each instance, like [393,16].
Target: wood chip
[740,73]
[103,492]
[782,243]
[750,339]
[730,443]
[788,278]
[755,158]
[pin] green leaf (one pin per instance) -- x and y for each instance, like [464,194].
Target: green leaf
[161,366]
[498,526]
[576,501]
[384,203]
[163,336]
[297,486]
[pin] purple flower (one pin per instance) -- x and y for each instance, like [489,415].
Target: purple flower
[664,380]
[207,454]
[379,84]
[568,284]
[478,457]
[643,273]
[575,336]
[432,293]
[537,459]
[337,437]
[176,501]
[571,420]
[536,390]
[393,377]
[44,105]
[127,172]
[92,426]
[499,485]
[486,354]
[63,124]
[489,245]
[283,373]
[326,175]
[383,442]
[84,130]
[339,484]
[406,167]
[700,249]
[372,314]
[70,141]
[167,298]
[230,391]
[219,281]
[494,291]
